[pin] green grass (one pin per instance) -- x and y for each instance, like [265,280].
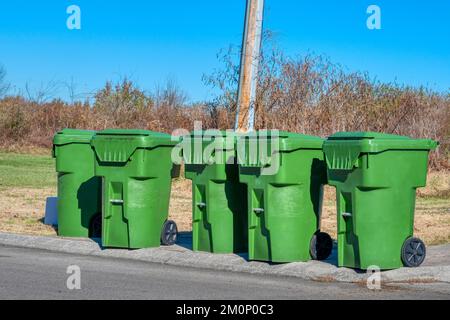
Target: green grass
[26,171]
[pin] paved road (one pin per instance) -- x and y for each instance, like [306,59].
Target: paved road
[36,274]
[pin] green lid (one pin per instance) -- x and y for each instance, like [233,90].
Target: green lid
[364,135]
[373,142]
[258,149]
[212,133]
[220,143]
[118,145]
[68,136]
[343,149]
[288,141]
[209,136]
[132,133]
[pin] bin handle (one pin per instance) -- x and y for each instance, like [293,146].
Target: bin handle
[201,205]
[197,212]
[346,214]
[258,211]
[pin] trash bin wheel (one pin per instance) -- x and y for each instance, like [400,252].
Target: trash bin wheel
[321,246]
[95,229]
[169,233]
[413,252]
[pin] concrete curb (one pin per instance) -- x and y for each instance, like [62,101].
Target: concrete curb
[181,256]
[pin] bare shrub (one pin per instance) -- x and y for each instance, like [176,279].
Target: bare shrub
[312,95]
[14,119]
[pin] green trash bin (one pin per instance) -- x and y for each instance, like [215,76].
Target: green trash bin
[376,176]
[219,213]
[135,166]
[79,191]
[284,173]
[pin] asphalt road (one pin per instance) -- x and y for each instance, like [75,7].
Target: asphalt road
[36,274]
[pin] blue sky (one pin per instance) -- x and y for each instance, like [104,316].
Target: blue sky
[154,40]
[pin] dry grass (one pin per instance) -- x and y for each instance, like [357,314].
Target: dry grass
[22,210]
[181,204]
[438,185]
[26,150]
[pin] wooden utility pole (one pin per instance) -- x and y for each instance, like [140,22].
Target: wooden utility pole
[250,57]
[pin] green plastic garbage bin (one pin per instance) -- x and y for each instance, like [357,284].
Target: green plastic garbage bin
[79,191]
[135,166]
[285,174]
[376,176]
[219,212]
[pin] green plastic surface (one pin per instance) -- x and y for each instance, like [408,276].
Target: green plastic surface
[79,191]
[376,177]
[219,212]
[117,146]
[67,136]
[284,207]
[135,166]
[352,143]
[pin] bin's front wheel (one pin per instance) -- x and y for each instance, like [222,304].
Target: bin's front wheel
[169,233]
[413,252]
[321,246]
[95,229]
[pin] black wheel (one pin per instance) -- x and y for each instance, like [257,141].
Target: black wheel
[169,233]
[321,246]
[413,252]
[95,230]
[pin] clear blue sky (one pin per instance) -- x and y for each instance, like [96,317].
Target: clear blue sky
[152,40]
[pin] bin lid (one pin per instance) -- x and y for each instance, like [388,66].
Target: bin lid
[136,133]
[288,141]
[209,136]
[374,142]
[118,145]
[196,142]
[68,136]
